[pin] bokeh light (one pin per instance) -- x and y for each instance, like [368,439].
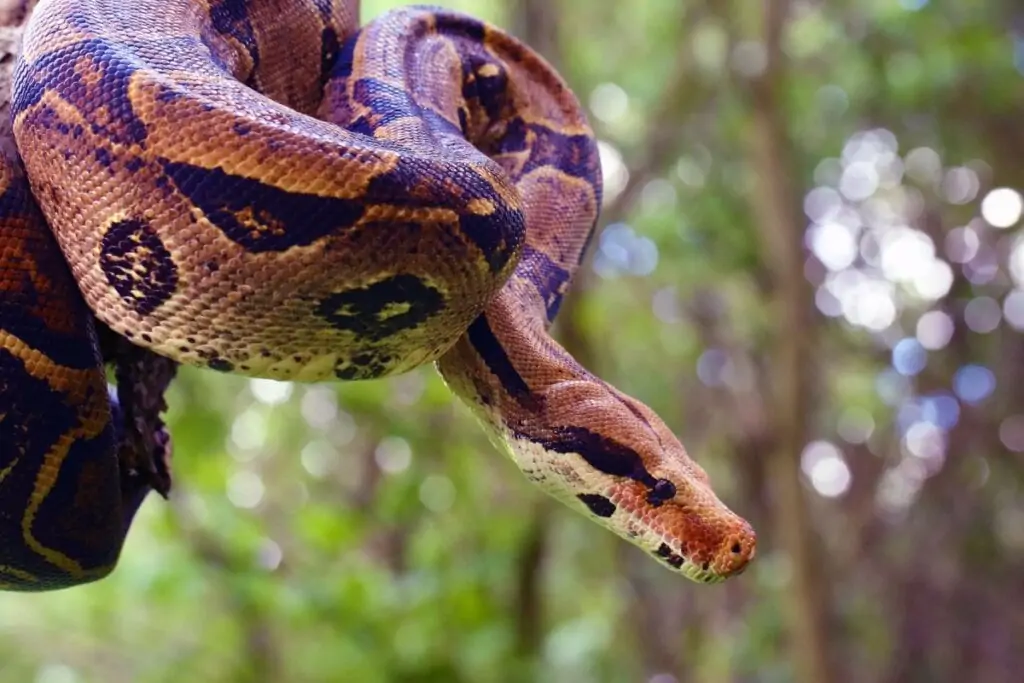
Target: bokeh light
[823,464]
[1002,207]
[974,383]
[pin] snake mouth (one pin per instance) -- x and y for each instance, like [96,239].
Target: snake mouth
[699,574]
[709,569]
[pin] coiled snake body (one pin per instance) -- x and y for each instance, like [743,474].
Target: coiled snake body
[257,187]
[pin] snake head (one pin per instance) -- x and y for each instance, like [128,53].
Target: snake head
[682,523]
[614,459]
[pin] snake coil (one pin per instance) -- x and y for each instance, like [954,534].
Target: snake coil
[263,188]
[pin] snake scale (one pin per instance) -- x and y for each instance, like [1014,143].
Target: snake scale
[262,187]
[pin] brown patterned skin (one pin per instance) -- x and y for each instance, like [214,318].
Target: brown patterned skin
[70,480]
[260,188]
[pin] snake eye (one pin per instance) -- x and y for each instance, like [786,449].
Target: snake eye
[663,490]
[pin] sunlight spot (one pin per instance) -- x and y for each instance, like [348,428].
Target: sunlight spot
[982,314]
[927,442]
[663,678]
[869,304]
[1017,262]
[318,457]
[319,407]
[711,366]
[1013,309]
[613,170]
[690,172]
[249,432]
[832,101]
[245,489]
[941,409]
[393,454]
[1002,207]
[934,330]
[407,388]
[974,383]
[923,165]
[823,464]
[609,102]
[831,478]
[827,303]
[933,281]
[1009,526]
[822,204]
[269,555]
[658,195]
[437,493]
[827,173]
[859,180]
[749,58]
[909,357]
[665,304]
[855,425]
[710,44]
[899,486]
[1011,433]
[960,185]
[833,244]
[983,268]
[739,375]
[892,387]
[270,392]
[905,253]
[56,673]
[962,244]
[622,251]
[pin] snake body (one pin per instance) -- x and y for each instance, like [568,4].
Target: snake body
[262,188]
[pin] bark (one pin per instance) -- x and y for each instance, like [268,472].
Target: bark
[780,225]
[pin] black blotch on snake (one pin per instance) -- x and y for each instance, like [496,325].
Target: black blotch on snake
[602,453]
[489,90]
[231,19]
[330,48]
[138,265]
[598,504]
[670,557]
[387,102]
[574,155]
[486,344]
[424,183]
[382,309]
[258,216]
[460,24]
[550,279]
[220,364]
[97,88]
[366,365]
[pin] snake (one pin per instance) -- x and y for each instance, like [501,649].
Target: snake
[270,189]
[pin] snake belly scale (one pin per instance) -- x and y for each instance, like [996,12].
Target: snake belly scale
[262,187]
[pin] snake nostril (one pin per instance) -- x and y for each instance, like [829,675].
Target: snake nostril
[736,548]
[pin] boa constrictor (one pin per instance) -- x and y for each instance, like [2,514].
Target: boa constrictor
[258,187]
